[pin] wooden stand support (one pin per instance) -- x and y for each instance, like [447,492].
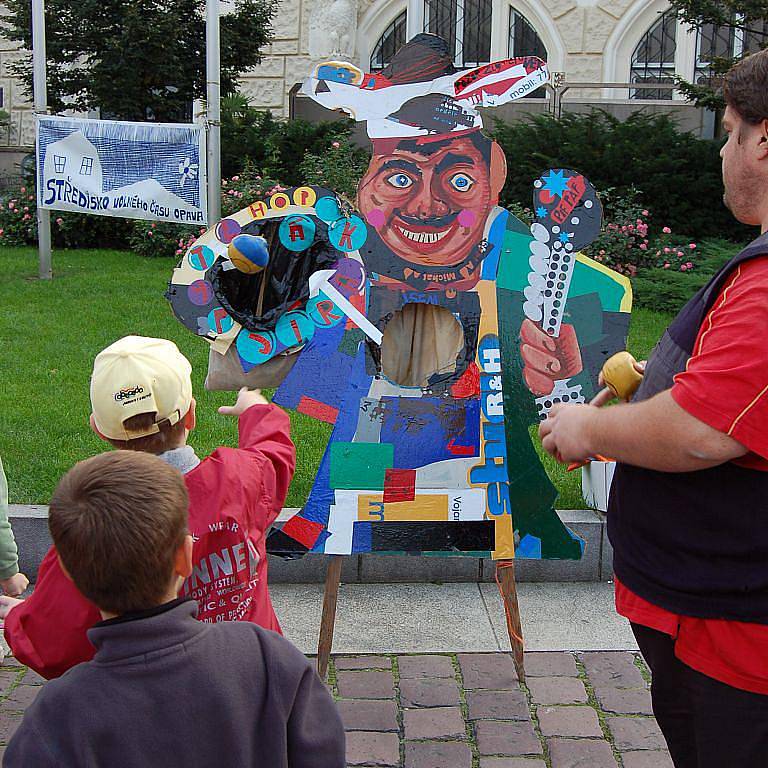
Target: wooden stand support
[330,597]
[505,577]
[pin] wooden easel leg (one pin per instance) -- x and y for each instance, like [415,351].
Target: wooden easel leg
[505,577]
[332,580]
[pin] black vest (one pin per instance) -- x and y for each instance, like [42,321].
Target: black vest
[695,543]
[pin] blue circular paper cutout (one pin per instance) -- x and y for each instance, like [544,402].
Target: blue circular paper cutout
[219,320]
[327,209]
[297,233]
[294,328]
[201,257]
[256,346]
[323,312]
[348,234]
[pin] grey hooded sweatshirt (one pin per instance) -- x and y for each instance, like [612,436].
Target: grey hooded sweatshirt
[166,690]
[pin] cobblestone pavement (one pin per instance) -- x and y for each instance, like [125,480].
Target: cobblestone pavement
[582,710]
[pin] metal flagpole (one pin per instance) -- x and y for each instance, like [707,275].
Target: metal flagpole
[41,108]
[213,108]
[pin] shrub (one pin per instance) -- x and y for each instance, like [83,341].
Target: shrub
[339,168]
[678,173]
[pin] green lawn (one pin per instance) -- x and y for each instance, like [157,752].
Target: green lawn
[51,331]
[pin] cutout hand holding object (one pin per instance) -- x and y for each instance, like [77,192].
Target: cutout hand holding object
[547,359]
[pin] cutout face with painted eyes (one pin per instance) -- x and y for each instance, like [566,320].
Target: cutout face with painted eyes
[429,200]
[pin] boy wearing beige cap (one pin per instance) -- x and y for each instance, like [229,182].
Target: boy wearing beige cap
[141,398]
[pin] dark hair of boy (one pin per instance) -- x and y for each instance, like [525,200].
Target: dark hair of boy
[746,87]
[117,520]
[169,437]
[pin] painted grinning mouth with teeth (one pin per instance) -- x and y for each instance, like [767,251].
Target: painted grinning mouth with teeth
[425,231]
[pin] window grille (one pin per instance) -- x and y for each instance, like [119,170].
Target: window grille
[653,60]
[465,24]
[389,43]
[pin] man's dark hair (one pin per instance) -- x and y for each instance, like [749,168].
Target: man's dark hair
[746,88]
[480,140]
[117,521]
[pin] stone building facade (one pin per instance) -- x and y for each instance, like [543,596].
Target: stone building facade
[593,42]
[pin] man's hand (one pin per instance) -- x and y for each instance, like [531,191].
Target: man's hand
[245,399]
[15,585]
[546,359]
[565,433]
[7,604]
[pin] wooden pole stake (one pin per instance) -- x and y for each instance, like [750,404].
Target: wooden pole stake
[505,577]
[330,597]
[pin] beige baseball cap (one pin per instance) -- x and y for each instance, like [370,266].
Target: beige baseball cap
[137,375]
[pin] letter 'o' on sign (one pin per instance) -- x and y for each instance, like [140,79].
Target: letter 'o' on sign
[348,233]
[255,346]
[227,230]
[297,233]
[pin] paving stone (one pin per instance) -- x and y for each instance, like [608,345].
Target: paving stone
[7,679]
[21,697]
[512,762]
[615,668]
[569,721]
[366,748]
[8,725]
[580,753]
[497,705]
[429,692]
[426,666]
[434,723]
[32,678]
[362,662]
[625,701]
[548,663]
[369,715]
[636,733]
[495,671]
[437,754]
[557,690]
[506,738]
[365,685]
[647,759]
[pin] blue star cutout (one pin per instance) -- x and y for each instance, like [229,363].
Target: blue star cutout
[564,237]
[541,212]
[555,183]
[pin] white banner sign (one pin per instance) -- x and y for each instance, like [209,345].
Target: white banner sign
[153,171]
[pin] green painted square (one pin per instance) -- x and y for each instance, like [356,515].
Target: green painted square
[360,466]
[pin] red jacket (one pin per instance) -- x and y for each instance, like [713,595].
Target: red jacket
[235,494]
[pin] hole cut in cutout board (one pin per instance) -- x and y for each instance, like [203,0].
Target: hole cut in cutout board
[420,341]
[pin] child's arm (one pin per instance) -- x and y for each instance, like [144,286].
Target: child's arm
[12,582]
[47,631]
[265,430]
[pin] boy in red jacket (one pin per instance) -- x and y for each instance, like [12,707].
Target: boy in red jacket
[141,397]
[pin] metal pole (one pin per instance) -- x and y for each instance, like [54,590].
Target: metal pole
[41,108]
[213,107]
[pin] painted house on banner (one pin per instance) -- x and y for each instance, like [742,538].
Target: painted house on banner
[593,42]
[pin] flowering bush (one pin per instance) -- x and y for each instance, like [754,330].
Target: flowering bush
[673,255]
[18,211]
[340,168]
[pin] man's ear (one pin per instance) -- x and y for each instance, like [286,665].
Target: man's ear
[182,561]
[763,139]
[92,422]
[498,170]
[190,418]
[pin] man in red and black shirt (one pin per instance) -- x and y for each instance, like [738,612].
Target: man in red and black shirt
[688,514]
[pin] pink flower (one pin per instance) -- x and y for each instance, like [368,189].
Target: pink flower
[689,265]
[31,197]
[150,233]
[59,221]
[235,178]
[26,208]
[667,231]
[667,250]
[666,265]
[602,253]
[643,246]
[27,216]
[1,232]
[23,190]
[335,145]
[154,224]
[692,246]
[11,205]
[645,213]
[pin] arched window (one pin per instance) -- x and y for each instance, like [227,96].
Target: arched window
[389,43]
[465,24]
[523,40]
[653,60]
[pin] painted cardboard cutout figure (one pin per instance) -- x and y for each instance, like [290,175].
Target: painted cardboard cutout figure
[451,328]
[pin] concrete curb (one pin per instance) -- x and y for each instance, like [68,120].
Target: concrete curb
[30,526]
